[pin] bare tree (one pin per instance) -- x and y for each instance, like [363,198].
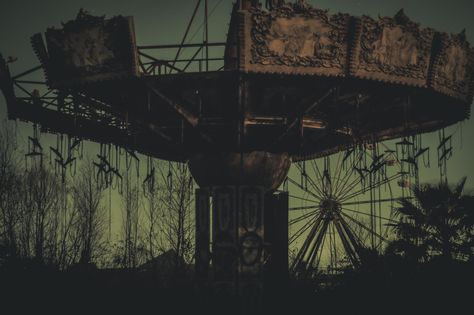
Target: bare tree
[69,242]
[131,249]
[41,195]
[10,187]
[90,222]
[61,222]
[178,218]
[153,211]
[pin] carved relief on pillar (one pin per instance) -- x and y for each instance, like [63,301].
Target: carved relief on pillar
[238,233]
[251,231]
[202,232]
[298,38]
[224,253]
[392,50]
[453,67]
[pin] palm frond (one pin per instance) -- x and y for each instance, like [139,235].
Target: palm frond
[408,209]
[460,186]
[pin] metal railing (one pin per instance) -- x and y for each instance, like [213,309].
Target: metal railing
[151,62]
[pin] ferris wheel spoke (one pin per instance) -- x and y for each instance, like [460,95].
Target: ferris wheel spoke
[332,245]
[337,174]
[354,183]
[369,215]
[371,201]
[327,181]
[301,218]
[319,175]
[315,253]
[356,240]
[311,181]
[309,256]
[303,188]
[321,249]
[363,155]
[370,187]
[346,183]
[342,182]
[316,170]
[350,250]
[303,229]
[364,227]
[304,248]
[316,187]
[303,199]
[303,208]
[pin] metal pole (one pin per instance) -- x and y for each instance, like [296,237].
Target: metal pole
[187,31]
[206,30]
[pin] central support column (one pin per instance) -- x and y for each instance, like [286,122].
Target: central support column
[231,235]
[234,208]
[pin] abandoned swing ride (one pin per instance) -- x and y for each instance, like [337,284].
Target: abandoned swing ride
[295,85]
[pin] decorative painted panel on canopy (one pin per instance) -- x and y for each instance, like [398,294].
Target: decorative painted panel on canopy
[297,39]
[453,67]
[88,49]
[393,50]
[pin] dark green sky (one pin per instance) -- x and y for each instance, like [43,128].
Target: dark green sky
[163,22]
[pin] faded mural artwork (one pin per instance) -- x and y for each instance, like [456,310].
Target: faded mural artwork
[87,49]
[299,37]
[455,66]
[293,38]
[395,47]
[392,48]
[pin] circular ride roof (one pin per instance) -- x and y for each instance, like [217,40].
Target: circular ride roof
[296,80]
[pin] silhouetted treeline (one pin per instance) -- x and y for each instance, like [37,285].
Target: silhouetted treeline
[48,219]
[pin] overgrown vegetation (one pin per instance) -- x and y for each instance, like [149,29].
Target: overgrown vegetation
[437,225]
[57,222]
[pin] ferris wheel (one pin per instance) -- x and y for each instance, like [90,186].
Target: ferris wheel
[341,206]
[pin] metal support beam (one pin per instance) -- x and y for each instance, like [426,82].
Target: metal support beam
[187,31]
